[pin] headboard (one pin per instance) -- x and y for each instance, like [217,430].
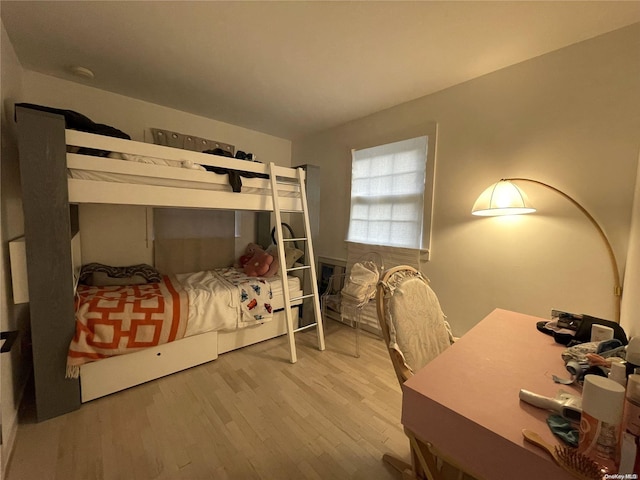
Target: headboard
[185,255]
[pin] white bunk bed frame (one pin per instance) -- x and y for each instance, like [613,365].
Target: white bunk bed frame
[43,143]
[195,196]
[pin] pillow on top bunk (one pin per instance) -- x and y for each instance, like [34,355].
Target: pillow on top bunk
[188,164]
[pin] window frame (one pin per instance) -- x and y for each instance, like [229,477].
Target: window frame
[430,130]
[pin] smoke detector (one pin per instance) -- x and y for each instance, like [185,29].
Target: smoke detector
[82,72]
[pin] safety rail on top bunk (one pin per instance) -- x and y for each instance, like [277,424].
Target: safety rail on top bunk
[196,195]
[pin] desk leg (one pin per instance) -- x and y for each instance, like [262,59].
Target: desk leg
[429,465]
[425,464]
[399,465]
[423,460]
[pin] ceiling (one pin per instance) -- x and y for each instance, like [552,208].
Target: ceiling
[292,68]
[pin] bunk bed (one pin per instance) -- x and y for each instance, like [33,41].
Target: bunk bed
[62,168]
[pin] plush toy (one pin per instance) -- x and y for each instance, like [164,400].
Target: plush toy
[243,260]
[259,262]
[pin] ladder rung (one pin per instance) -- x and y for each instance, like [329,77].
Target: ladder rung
[302,297]
[292,180]
[302,239]
[289,182]
[305,327]
[303,267]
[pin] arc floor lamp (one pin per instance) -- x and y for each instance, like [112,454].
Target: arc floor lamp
[506,198]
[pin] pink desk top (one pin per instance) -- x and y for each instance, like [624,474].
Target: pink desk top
[465,402]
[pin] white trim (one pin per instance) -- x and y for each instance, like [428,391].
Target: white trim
[630,299]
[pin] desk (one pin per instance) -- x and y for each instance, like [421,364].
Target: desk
[465,401]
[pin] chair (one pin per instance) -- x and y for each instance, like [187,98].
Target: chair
[415,332]
[350,292]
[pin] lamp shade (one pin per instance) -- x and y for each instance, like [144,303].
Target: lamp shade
[502,198]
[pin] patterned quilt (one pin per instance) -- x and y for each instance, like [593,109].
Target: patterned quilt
[116,320]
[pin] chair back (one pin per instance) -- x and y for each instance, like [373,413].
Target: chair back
[412,322]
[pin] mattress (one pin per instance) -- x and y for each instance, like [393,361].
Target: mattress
[139,170]
[276,284]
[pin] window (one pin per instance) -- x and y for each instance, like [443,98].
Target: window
[391,193]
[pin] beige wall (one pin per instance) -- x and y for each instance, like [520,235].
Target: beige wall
[15,365]
[119,235]
[134,116]
[570,118]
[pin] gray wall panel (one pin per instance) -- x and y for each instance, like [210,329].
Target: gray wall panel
[42,149]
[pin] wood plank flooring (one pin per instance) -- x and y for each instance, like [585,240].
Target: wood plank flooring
[250,414]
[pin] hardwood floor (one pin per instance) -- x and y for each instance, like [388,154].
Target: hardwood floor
[250,414]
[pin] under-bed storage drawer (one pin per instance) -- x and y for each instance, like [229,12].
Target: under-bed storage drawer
[113,374]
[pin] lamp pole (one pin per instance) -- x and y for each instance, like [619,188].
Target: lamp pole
[617,288]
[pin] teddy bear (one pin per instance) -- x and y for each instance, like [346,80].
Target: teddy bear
[258,263]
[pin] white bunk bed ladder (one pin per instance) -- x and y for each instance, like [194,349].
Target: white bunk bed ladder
[308,266]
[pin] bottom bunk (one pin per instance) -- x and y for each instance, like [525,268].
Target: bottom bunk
[128,334]
[113,374]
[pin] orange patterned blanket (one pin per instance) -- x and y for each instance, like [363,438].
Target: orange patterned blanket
[115,320]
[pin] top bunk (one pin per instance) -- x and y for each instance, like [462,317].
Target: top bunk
[108,170]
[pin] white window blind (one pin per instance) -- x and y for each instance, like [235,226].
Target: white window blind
[388,193]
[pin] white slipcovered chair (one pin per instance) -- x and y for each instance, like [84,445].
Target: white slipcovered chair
[415,331]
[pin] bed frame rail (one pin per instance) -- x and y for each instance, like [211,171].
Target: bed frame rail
[200,189]
[101,142]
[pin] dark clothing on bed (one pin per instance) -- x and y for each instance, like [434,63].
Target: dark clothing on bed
[234,175]
[77,121]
